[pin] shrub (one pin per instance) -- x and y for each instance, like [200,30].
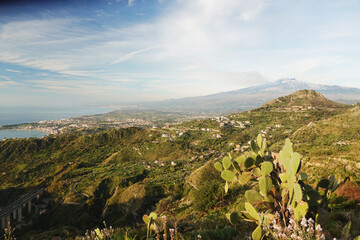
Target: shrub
[166,204]
[207,196]
[278,187]
[205,182]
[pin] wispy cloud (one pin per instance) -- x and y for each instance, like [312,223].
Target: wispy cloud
[82,88]
[192,32]
[131,2]
[201,46]
[12,70]
[313,63]
[131,54]
[7,82]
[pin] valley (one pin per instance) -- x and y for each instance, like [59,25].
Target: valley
[179,120]
[118,173]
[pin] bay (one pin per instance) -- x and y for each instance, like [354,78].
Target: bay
[20,134]
[17,115]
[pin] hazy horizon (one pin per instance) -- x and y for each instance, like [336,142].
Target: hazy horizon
[76,53]
[29,114]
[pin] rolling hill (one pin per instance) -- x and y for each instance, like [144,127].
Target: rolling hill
[303,99]
[119,175]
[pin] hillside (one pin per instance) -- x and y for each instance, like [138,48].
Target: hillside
[333,144]
[119,175]
[302,100]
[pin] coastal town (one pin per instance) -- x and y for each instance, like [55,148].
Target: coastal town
[102,122]
[73,124]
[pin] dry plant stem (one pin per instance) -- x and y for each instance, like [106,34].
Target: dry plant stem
[8,235]
[165,229]
[157,234]
[172,233]
[176,232]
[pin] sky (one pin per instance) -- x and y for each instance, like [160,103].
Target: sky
[108,52]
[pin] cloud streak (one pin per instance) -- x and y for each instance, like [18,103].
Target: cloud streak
[5,81]
[213,45]
[131,54]
[65,46]
[12,70]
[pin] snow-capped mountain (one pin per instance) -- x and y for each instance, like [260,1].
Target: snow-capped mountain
[252,97]
[292,84]
[284,84]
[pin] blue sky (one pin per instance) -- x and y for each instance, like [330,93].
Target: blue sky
[63,53]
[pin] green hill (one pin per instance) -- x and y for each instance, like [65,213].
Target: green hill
[119,175]
[303,100]
[332,144]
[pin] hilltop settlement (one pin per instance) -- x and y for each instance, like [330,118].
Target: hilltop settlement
[97,169]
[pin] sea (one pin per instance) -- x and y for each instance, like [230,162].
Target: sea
[7,134]
[17,115]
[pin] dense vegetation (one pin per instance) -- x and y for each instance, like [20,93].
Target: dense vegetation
[117,176]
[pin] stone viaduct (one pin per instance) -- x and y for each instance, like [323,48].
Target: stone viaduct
[12,213]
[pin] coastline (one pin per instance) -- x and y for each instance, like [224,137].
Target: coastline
[20,133]
[28,129]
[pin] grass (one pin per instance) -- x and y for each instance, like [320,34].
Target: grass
[110,160]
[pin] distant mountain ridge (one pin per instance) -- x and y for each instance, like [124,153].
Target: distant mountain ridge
[292,84]
[252,97]
[287,86]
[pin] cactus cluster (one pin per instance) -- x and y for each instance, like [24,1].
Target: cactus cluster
[149,219]
[278,186]
[328,186]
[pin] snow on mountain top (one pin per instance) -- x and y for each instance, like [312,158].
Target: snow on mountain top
[294,84]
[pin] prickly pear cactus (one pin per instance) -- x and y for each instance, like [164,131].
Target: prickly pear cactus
[148,219]
[278,186]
